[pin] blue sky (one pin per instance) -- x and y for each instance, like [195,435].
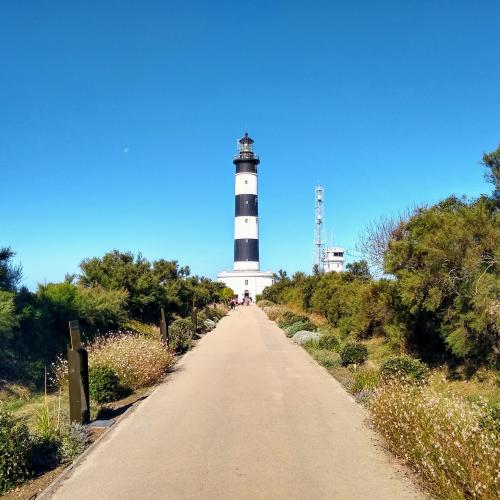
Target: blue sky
[119,120]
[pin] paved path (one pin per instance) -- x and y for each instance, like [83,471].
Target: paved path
[247,415]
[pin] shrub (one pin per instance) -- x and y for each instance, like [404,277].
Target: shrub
[404,367]
[181,335]
[74,441]
[14,451]
[353,353]
[365,379]
[209,325]
[138,361]
[297,326]
[286,318]
[45,452]
[329,341]
[289,317]
[304,336]
[440,436]
[104,384]
[215,313]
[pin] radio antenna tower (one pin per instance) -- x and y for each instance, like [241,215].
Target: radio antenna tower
[319,229]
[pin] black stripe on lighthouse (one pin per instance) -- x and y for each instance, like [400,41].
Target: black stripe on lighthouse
[246,204]
[246,250]
[246,166]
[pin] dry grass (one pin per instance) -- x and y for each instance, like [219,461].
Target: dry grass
[484,384]
[138,361]
[450,442]
[275,313]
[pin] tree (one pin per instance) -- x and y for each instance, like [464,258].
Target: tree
[146,286]
[10,274]
[149,285]
[375,240]
[492,162]
[227,294]
[358,270]
[280,275]
[8,318]
[446,261]
[99,308]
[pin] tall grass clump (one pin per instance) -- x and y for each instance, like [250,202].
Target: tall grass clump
[275,313]
[324,357]
[264,303]
[449,441]
[138,361]
[365,379]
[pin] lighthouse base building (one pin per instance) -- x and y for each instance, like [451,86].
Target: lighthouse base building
[246,280]
[245,283]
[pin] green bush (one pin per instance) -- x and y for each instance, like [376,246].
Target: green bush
[288,318]
[181,334]
[74,441]
[353,353]
[45,452]
[215,313]
[209,325]
[404,367]
[330,342]
[104,384]
[292,329]
[14,451]
[365,379]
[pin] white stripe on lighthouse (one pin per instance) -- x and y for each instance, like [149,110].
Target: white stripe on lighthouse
[245,183]
[240,265]
[246,227]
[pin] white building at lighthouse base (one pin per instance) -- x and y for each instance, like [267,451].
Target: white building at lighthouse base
[246,283]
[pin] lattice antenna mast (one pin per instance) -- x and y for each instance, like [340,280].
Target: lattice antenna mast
[319,229]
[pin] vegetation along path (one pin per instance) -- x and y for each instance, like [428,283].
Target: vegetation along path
[246,415]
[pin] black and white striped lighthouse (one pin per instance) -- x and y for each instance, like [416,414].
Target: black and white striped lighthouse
[246,279]
[246,208]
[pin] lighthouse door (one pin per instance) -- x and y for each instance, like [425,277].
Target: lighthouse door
[246,294]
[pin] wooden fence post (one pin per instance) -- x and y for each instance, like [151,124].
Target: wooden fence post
[78,376]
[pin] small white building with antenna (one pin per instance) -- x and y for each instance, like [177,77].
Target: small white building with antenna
[326,259]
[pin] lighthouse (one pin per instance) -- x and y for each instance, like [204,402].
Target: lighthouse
[246,279]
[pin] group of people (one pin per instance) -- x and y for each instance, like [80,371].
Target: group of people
[245,301]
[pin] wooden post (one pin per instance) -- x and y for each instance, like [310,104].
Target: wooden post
[78,371]
[164,328]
